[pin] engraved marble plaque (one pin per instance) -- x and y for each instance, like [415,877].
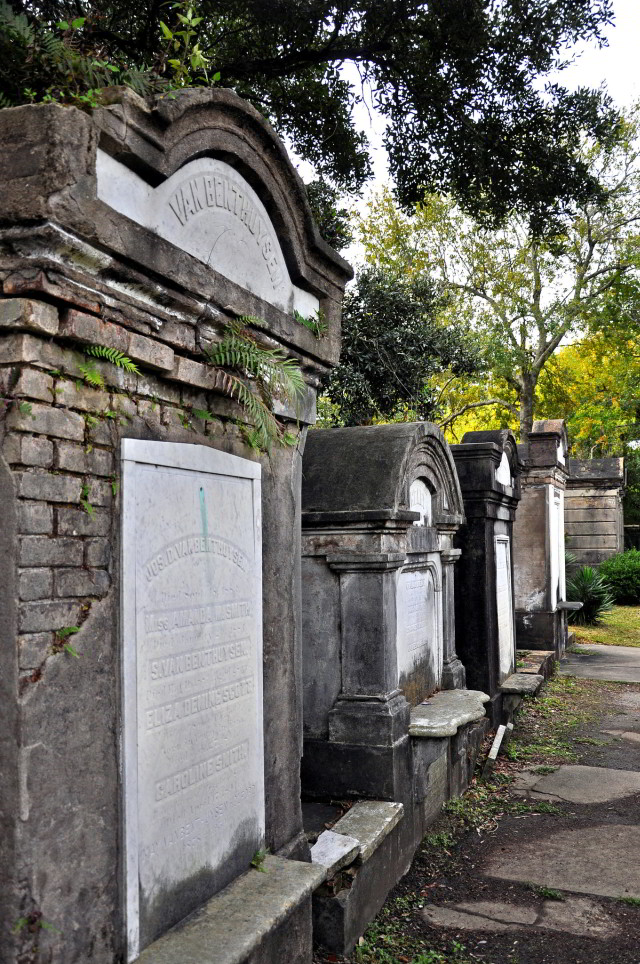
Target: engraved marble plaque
[419,637]
[208,209]
[506,645]
[192,678]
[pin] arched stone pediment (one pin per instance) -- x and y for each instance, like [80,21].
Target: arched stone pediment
[506,442]
[371,468]
[206,172]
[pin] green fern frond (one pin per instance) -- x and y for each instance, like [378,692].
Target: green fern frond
[262,374]
[271,366]
[117,358]
[315,324]
[15,24]
[91,374]
[204,415]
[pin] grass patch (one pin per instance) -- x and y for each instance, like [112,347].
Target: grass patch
[631,901]
[389,939]
[620,627]
[547,892]
[547,731]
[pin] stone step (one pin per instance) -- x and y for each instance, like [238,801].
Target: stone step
[233,924]
[522,684]
[444,713]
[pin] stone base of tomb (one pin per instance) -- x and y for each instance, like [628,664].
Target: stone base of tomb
[446,736]
[258,919]
[542,630]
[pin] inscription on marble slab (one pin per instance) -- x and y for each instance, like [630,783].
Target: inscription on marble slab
[506,643]
[192,678]
[209,210]
[419,636]
[503,472]
[420,501]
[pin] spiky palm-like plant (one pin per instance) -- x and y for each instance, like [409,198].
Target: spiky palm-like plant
[588,587]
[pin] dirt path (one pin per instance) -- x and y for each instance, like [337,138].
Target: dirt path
[543,865]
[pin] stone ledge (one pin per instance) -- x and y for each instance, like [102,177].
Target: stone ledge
[442,715]
[334,850]
[230,926]
[370,821]
[524,684]
[568,606]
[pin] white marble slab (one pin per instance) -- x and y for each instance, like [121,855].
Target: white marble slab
[420,501]
[419,621]
[192,678]
[504,603]
[209,210]
[503,472]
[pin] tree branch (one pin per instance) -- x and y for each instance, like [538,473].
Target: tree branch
[450,419]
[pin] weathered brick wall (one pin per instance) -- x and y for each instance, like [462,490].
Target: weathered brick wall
[74,273]
[60,439]
[593,509]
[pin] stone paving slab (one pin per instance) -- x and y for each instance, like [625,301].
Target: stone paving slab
[600,860]
[580,784]
[575,915]
[594,661]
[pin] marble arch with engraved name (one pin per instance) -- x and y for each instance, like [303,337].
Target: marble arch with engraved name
[208,209]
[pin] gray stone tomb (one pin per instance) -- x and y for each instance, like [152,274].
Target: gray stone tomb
[141,774]
[489,473]
[538,539]
[380,507]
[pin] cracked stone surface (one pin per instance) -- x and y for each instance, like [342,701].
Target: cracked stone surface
[600,860]
[580,784]
[575,915]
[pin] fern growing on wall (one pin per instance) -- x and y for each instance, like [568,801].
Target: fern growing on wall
[92,375]
[255,375]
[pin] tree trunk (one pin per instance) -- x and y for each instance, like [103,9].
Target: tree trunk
[528,384]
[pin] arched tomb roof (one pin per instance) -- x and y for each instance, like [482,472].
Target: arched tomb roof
[370,469]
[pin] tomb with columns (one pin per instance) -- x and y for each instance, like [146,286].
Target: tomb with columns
[489,473]
[538,540]
[387,716]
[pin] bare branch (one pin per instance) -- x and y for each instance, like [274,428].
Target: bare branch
[465,408]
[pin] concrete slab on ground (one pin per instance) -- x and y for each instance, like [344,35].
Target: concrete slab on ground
[579,784]
[575,915]
[600,860]
[594,661]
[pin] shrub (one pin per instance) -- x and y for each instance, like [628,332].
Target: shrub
[622,574]
[588,587]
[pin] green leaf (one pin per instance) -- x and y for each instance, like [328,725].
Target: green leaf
[78,22]
[216,77]
[67,631]
[63,25]
[165,30]
[114,356]
[68,648]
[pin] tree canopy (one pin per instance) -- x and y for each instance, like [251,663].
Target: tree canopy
[392,344]
[458,82]
[520,294]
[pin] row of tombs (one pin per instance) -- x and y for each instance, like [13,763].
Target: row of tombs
[255,635]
